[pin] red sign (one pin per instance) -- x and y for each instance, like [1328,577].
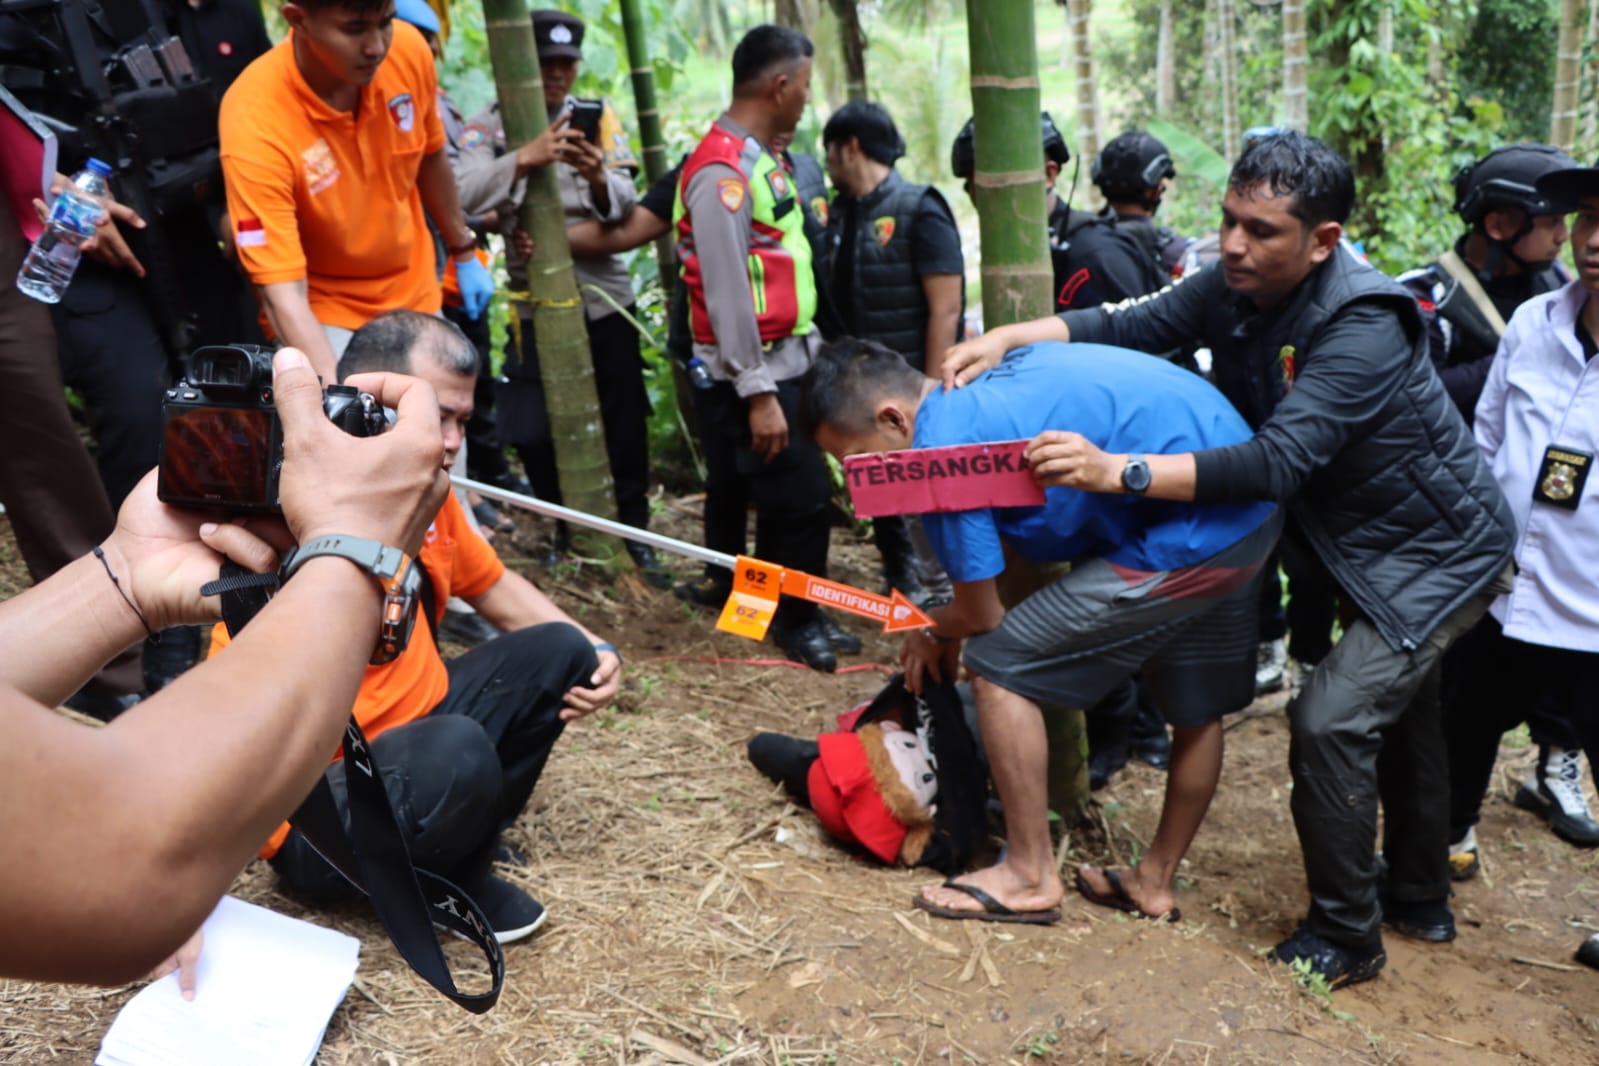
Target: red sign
[962,477]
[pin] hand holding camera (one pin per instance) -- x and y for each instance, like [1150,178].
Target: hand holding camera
[259,441]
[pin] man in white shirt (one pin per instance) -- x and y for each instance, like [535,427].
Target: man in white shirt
[1538,426]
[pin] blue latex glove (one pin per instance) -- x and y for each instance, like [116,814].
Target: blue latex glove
[477,287]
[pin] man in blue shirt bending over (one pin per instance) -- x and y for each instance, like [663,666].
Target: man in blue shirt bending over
[1160,587]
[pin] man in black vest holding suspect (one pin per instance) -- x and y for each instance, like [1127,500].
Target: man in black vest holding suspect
[1327,361]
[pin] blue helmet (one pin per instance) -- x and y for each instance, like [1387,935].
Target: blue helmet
[418,14]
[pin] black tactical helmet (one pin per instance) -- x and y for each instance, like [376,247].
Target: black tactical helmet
[1130,165]
[1508,177]
[963,154]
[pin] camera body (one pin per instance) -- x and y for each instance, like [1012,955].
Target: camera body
[221,441]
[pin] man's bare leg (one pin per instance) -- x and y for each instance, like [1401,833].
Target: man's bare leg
[1190,786]
[1018,759]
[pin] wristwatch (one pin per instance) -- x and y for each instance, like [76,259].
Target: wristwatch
[1135,475]
[397,574]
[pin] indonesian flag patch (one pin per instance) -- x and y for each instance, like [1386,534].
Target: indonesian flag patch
[731,192]
[249,233]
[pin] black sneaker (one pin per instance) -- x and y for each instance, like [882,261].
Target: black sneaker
[1340,965]
[843,642]
[806,643]
[650,570]
[1553,790]
[1103,761]
[708,591]
[513,914]
[1429,920]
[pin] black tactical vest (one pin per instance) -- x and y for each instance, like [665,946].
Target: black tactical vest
[887,304]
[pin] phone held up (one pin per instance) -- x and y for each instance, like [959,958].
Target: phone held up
[586,118]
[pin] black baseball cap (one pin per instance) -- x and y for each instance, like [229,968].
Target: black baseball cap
[558,35]
[1566,187]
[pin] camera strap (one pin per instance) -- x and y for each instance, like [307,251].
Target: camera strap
[371,852]
[367,846]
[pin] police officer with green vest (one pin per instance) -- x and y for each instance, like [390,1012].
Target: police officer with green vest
[746,266]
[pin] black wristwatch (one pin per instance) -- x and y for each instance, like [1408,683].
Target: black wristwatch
[1135,475]
[397,574]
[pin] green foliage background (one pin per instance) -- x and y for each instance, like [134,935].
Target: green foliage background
[1462,76]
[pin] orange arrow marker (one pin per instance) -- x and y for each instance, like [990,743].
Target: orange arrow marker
[897,613]
[757,584]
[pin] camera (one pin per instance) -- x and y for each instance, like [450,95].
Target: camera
[221,441]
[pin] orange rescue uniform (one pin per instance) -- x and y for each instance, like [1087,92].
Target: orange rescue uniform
[460,563]
[329,196]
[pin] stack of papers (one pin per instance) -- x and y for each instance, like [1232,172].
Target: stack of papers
[267,985]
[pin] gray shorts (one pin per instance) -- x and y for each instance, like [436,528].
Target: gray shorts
[1190,632]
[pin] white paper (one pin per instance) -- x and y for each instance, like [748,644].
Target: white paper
[266,986]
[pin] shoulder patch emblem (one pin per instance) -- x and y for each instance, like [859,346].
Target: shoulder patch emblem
[1285,360]
[473,136]
[883,230]
[731,192]
[819,208]
[777,181]
[403,111]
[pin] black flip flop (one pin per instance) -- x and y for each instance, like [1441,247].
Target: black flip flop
[993,910]
[1118,899]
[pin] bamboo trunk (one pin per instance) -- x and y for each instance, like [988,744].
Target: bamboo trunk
[1568,72]
[1166,61]
[1296,97]
[565,365]
[1229,78]
[852,43]
[1077,15]
[1008,184]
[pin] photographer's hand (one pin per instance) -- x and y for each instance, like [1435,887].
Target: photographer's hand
[162,555]
[388,488]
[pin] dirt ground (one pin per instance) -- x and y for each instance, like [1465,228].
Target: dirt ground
[699,918]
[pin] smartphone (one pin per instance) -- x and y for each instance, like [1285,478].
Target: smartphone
[586,117]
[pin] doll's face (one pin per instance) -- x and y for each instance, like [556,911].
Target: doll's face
[905,751]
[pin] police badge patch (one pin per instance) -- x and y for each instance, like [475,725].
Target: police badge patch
[819,208]
[883,230]
[1561,477]
[403,112]
[777,181]
[731,192]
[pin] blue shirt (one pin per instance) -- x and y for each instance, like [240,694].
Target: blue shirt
[1122,401]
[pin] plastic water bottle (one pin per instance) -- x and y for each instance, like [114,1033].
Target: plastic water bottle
[53,259]
[699,375]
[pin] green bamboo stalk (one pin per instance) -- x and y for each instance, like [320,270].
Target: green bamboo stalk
[565,364]
[649,123]
[1008,183]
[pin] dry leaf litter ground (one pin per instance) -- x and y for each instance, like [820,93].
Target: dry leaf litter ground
[698,918]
